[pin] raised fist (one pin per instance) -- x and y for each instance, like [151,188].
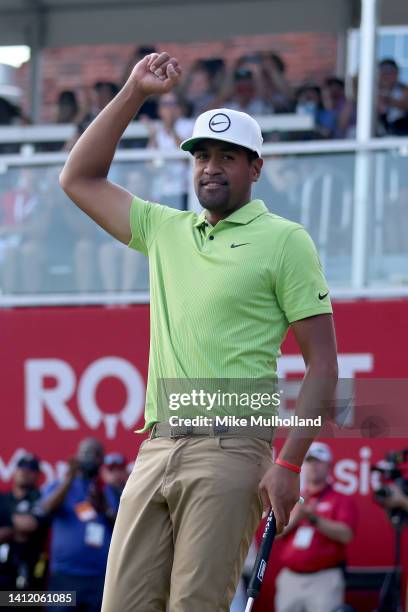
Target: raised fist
[155,74]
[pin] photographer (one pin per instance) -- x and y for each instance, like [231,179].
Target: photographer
[397,500]
[391,488]
[23,530]
[391,493]
[82,522]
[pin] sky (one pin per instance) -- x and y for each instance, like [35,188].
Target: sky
[15,56]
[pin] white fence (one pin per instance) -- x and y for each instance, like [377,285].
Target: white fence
[50,253]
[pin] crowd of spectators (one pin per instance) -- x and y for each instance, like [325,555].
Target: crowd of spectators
[56,536]
[48,246]
[255,83]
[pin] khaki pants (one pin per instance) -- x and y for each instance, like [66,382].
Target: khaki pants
[186,519]
[319,592]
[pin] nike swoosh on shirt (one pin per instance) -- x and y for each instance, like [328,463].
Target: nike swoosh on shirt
[234,246]
[321,297]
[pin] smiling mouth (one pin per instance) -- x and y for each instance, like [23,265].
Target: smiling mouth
[213,185]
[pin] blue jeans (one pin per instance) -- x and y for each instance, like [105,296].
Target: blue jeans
[88,589]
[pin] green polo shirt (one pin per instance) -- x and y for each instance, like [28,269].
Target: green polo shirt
[223,296]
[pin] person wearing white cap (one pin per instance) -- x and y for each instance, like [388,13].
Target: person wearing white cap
[225,286]
[314,552]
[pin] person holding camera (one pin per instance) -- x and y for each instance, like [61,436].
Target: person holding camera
[23,530]
[82,517]
[396,499]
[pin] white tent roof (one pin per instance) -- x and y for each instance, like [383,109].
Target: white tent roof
[72,22]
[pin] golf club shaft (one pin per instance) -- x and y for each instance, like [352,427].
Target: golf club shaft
[258,572]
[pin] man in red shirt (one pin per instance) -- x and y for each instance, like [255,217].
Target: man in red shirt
[315,540]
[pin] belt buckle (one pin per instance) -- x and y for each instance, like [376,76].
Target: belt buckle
[180,431]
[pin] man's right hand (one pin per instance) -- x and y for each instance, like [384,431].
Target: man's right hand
[155,74]
[279,489]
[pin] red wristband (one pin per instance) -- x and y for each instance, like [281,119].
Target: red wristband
[290,466]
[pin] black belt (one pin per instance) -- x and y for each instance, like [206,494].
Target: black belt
[165,430]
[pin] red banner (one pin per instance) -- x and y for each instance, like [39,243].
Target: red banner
[68,373]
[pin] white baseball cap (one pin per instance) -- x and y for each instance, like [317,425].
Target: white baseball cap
[228,126]
[319,451]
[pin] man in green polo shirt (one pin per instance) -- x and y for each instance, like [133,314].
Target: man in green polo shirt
[225,287]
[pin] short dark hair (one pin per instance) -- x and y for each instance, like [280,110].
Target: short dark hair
[108,84]
[144,50]
[252,155]
[67,96]
[389,61]
[333,80]
[30,462]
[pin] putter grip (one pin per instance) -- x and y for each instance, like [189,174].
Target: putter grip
[262,557]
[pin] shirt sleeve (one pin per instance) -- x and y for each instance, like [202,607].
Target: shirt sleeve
[145,221]
[347,512]
[301,287]
[46,492]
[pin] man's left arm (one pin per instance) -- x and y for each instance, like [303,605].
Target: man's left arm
[316,339]
[342,526]
[315,336]
[335,530]
[303,295]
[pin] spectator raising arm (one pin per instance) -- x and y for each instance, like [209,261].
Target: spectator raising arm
[84,177]
[55,499]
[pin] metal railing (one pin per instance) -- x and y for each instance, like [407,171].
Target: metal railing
[51,253]
[29,138]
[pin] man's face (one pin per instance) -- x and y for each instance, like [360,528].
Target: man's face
[223,175]
[388,76]
[245,90]
[199,83]
[316,472]
[336,91]
[90,454]
[26,477]
[169,108]
[115,475]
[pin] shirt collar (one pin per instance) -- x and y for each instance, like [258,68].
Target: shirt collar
[242,216]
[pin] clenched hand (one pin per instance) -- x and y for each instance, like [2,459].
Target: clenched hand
[155,74]
[279,489]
